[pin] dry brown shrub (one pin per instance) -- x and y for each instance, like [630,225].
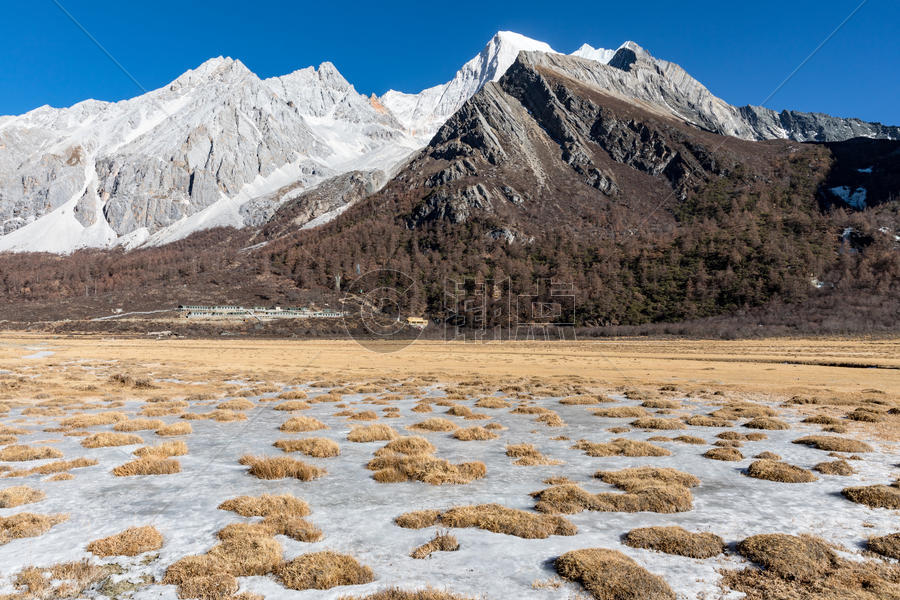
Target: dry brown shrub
[478,433]
[280,467]
[236,404]
[396,468]
[492,402]
[164,450]
[689,439]
[886,545]
[372,433]
[410,445]
[293,395]
[656,423]
[107,439]
[706,421]
[773,470]
[131,542]
[494,518]
[54,467]
[675,540]
[835,467]
[620,447]
[422,407]
[292,405]
[19,495]
[317,447]
[727,454]
[322,571]
[148,465]
[89,420]
[138,425]
[766,423]
[24,453]
[433,424]
[296,424]
[875,496]
[175,429]
[266,505]
[620,412]
[365,415]
[24,525]
[636,478]
[210,587]
[833,443]
[399,594]
[441,542]
[610,575]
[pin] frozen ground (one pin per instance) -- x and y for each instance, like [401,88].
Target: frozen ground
[356,513]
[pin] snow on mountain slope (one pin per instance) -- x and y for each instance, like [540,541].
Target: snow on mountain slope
[601,55]
[184,157]
[425,112]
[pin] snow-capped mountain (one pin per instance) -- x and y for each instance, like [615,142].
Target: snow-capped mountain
[425,112]
[219,146]
[185,157]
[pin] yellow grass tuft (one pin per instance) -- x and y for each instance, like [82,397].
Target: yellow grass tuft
[297,424]
[656,423]
[222,415]
[90,420]
[396,468]
[24,453]
[727,454]
[832,443]
[322,571]
[266,505]
[24,525]
[875,496]
[19,495]
[835,467]
[236,404]
[675,540]
[477,433]
[138,425]
[131,542]
[54,467]
[280,467]
[441,542]
[766,423]
[372,433]
[886,545]
[148,465]
[434,424]
[620,447]
[175,429]
[491,517]
[292,405]
[528,455]
[318,447]
[107,439]
[164,450]
[400,594]
[620,412]
[492,402]
[610,575]
[773,470]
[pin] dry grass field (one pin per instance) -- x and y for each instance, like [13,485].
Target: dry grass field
[247,469]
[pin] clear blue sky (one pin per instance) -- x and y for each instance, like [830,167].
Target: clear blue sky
[740,50]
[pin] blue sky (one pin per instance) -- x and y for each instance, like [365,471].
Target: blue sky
[741,51]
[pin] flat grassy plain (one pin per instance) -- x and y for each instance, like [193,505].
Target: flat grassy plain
[240,469]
